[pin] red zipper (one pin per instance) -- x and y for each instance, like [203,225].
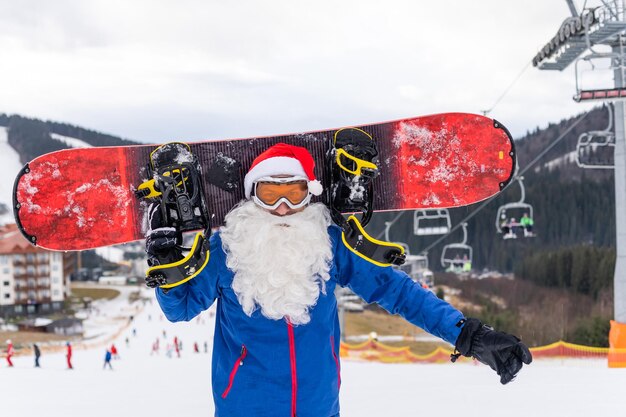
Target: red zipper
[332,346]
[294,378]
[238,363]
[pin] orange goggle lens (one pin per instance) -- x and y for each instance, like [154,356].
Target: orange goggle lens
[270,192]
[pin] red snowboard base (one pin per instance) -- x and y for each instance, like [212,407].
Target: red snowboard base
[84,198]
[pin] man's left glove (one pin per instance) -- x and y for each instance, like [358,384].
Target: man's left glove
[503,352]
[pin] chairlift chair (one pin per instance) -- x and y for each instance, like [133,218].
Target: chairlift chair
[431,222]
[591,143]
[519,206]
[601,72]
[455,253]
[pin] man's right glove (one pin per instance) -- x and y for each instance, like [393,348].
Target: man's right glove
[503,352]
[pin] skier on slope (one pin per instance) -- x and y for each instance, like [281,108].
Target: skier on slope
[273,269]
[10,352]
[37,353]
[107,359]
[68,355]
[114,353]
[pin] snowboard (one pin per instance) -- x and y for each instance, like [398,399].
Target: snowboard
[83,198]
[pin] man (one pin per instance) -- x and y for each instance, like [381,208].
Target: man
[107,359]
[68,355]
[527,223]
[273,269]
[10,352]
[114,353]
[37,353]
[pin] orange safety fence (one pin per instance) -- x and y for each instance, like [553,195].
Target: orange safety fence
[563,349]
[617,345]
[374,351]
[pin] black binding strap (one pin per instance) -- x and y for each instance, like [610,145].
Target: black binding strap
[378,252]
[176,273]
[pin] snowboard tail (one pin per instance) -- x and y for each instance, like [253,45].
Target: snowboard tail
[84,198]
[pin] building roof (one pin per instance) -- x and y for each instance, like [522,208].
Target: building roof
[36,322]
[12,241]
[65,322]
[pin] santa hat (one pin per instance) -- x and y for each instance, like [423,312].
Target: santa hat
[283,159]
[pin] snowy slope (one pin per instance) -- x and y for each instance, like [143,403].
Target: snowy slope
[69,141]
[157,386]
[10,166]
[111,253]
[568,158]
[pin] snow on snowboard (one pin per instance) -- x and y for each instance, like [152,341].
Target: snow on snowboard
[78,199]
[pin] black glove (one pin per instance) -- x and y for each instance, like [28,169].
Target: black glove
[503,352]
[161,241]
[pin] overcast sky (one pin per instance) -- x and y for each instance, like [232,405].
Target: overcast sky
[205,69]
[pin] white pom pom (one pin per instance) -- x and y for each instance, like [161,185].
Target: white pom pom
[315,187]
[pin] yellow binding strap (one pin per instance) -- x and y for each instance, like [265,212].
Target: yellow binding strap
[358,163]
[150,190]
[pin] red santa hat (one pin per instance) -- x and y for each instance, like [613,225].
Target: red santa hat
[283,159]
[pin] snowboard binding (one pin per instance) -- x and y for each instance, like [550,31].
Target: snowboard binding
[175,268]
[176,185]
[352,167]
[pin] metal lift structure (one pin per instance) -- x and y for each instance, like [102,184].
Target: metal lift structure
[581,37]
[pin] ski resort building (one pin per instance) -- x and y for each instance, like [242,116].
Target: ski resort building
[32,280]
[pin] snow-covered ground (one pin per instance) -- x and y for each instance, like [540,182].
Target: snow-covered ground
[111,253]
[158,386]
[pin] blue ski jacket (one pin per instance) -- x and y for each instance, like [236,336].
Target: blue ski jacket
[263,367]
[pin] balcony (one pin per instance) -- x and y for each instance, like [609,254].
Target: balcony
[19,261]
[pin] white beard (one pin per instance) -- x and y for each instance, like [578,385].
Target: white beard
[281,264]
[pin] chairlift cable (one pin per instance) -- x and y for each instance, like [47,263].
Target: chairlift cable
[506,90]
[395,219]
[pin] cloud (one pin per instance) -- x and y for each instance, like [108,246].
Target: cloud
[279,66]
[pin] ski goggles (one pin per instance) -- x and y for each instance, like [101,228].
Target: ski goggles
[271,192]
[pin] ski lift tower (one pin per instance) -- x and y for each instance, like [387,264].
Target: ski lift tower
[579,39]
